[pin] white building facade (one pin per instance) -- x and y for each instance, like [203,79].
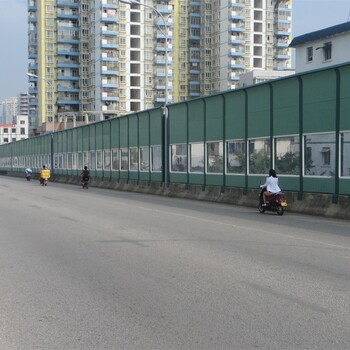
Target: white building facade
[14,131]
[322,48]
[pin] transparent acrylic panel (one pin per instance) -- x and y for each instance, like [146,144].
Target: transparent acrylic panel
[134,159]
[99,160]
[92,160]
[287,155]
[236,157]
[319,158]
[107,159]
[197,157]
[215,157]
[259,156]
[156,154]
[124,157]
[144,158]
[179,158]
[345,157]
[115,159]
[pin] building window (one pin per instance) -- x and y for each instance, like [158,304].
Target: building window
[309,54]
[23,131]
[327,51]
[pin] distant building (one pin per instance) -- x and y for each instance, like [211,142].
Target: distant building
[22,103]
[259,76]
[9,110]
[14,132]
[323,48]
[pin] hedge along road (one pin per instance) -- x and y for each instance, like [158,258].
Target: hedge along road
[100,269]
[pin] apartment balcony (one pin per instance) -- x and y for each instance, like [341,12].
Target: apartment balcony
[110,5]
[109,32]
[236,40]
[68,3]
[32,8]
[32,66]
[161,60]
[233,77]
[68,77]
[68,53]
[68,27]
[236,53]
[109,71]
[284,6]
[109,44]
[282,57]
[160,99]
[162,35]
[195,71]
[109,18]
[67,65]
[105,97]
[165,9]
[110,106]
[282,43]
[237,27]
[67,15]
[237,3]
[282,68]
[67,102]
[33,55]
[32,19]
[237,16]
[67,89]
[109,59]
[236,64]
[106,85]
[283,30]
[68,39]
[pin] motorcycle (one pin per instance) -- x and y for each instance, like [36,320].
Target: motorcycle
[85,183]
[43,181]
[277,203]
[28,176]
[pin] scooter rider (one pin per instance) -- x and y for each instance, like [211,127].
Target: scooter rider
[44,174]
[85,175]
[28,172]
[271,185]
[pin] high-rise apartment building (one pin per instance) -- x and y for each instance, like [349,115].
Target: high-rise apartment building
[23,103]
[9,110]
[104,58]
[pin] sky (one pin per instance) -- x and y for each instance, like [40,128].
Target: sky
[308,16]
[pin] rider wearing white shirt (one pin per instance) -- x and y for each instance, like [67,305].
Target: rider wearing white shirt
[271,185]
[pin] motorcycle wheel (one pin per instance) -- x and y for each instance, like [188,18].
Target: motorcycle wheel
[280,210]
[261,208]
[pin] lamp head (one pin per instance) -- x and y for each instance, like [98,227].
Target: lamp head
[31,75]
[129,2]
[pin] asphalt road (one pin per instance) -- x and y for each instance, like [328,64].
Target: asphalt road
[100,269]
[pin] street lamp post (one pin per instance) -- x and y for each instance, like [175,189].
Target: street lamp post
[49,83]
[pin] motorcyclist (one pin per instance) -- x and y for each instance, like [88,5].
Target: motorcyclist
[270,185]
[85,175]
[44,174]
[28,172]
